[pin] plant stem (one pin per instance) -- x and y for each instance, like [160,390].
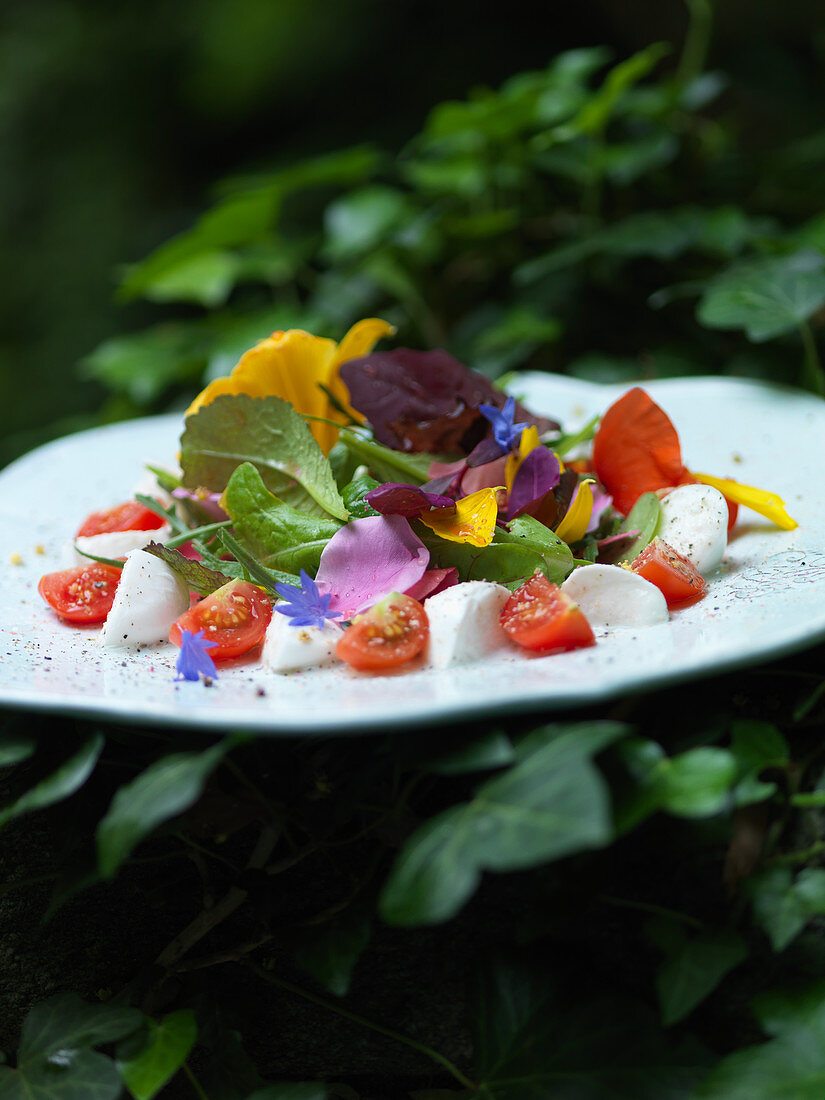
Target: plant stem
[812,374]
[433,1055]
[697,39]
[654,910]
[197,533]
[194,1082]
[802,856]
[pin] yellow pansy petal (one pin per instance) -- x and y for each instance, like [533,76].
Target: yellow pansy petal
[473,520]
[574,525]
[528,442]
[293,365]
[767,504]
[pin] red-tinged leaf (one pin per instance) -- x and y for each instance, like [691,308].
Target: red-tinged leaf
[424,401]
[395,499]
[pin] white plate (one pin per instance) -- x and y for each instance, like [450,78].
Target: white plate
[767,599]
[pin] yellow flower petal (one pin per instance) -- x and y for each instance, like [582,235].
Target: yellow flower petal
[472,520]
[574,524]
[293,365]
[528,442]
[767,504]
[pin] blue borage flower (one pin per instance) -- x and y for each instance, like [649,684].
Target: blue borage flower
[306,606]
[193,660]
[505,432]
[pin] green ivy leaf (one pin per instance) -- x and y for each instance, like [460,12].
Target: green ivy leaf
[790,1066]
[532,1043]
[62,783]
[56,1060]
[490,750]
[697,783]
[766,298]
[281,537]
[756,746]
[363,219]
[330,953]
[551,804]
[268,433]
[695,968]
[206,279]
[167,788]
[783,905]
[164,1048]
[14,748]
[166,1045]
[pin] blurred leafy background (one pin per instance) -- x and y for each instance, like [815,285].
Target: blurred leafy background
[296,157]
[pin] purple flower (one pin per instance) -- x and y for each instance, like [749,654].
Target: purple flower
[193,660]
[505,432]
[306,606]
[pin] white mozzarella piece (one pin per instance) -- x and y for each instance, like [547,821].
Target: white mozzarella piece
[116,544]
[149,598]
[695,523]
[465,623]
[610,596]
[290,648]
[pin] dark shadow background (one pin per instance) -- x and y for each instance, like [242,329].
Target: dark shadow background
[117,119]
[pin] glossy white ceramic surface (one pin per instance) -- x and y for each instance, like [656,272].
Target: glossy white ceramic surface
[767,598]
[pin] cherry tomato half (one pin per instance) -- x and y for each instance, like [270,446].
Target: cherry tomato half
[540,616]
[81,595]
[235,617]
[389,634]
[130,516]
[675,577]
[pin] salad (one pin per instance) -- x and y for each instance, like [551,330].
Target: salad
[393,508]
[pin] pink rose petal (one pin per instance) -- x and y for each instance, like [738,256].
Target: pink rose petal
[369,558]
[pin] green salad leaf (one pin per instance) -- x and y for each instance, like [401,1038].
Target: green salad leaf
[270,434]
[279,536]
[513,555]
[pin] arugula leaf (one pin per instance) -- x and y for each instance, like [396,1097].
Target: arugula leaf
[199,577]
[270,434]
[257,573]
[273,532]
[643,517]
[385,463]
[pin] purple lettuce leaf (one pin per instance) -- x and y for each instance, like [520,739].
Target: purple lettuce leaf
[424,400]
[396,499]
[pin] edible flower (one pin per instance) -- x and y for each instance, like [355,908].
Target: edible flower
[369,558]
[505,432]
[472,520]
[306,606]
[767,504]
[527,444]
[193,660]
[294,365]
[396,499]
[577,518]
[537,475]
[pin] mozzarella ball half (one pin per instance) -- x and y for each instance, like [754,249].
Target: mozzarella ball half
[289,648]
[695,523]
[465,623]
[610,596]
[149,598]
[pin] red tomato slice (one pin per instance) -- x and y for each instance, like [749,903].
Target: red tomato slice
[540,616]
[130,516]
[235,616]
[636,450]
[676,577]
[389,634]
[81,595]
